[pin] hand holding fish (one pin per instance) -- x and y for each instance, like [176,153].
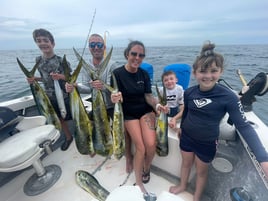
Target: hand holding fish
[97,84]
[69,87]
[30,80]
[57,76]
[116,97]
[161,108]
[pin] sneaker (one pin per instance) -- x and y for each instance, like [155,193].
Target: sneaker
[66,144]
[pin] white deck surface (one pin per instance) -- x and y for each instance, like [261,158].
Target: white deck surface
[111,175]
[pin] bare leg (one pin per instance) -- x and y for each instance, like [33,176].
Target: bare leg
[147,123]
[134,130]
[201,173]
[187,162]
[68,135]
[66,130]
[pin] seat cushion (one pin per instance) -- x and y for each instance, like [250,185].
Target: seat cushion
[22,146]
[31,122]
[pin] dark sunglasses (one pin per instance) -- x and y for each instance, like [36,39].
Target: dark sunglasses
[134,54]
[94,44]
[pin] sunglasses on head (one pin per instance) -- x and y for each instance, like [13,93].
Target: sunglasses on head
[94,44]
[134,54]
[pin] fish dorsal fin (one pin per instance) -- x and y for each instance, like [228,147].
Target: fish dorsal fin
[66,68]
[105,62]
[76,72]
[162,98]
[89,68]
[26,71]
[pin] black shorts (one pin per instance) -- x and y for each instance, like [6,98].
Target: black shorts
[136,115]
[173,111]
[54,103]
[204,150]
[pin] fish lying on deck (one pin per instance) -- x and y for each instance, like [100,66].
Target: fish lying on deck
[83,127]
[162,127]
[101,132]
[41,99]
[90,184]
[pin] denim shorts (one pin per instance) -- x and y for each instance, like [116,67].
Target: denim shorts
[173,111]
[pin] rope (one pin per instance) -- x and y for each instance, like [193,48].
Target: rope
[99,167]
[125,181]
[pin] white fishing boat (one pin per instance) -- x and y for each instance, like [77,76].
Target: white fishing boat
[32,167]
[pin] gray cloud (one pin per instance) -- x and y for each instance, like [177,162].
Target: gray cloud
[156,22]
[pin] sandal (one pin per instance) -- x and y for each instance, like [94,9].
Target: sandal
[145,177]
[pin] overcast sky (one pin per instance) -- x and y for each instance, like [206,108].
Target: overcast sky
[155,22]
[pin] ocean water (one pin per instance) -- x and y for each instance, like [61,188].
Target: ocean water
[250,59]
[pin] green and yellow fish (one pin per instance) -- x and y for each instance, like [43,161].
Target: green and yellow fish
[118,124]
[41,99]
[90,184]
[162,127]
[102,137]
[83,127]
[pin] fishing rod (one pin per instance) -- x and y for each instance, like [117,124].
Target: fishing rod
[105,41]
[242,79]
[89,31]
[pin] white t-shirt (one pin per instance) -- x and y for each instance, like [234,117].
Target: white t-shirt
[174,96]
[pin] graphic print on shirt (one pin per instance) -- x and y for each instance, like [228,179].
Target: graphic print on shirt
[171,98]
[202,102]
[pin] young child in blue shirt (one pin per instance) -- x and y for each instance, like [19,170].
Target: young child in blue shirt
[205,105]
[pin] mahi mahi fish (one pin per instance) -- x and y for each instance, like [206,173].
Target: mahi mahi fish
[90,184]
[102,137]
[118,124]
[83,126]
[41,99]
[162,127]
[60,99]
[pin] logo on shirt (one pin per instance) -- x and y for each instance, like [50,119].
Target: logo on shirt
[140,82]
[202,102]
[171,98]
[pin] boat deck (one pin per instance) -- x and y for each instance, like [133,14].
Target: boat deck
[231,168]
[109,172]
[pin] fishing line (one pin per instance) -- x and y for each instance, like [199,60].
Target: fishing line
[126,179]
[99,166]
[89,31]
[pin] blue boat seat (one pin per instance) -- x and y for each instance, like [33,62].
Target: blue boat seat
[149,68]
[182,71]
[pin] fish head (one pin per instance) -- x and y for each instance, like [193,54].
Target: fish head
[81,175]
